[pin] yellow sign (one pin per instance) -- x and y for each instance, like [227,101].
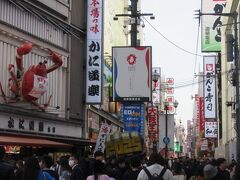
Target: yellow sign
[123,146]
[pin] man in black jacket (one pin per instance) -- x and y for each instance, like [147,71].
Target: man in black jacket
[77,172]
[6,170]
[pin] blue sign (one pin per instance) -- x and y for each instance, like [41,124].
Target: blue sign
[133,117]
[166,140]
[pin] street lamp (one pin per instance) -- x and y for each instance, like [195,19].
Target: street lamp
[166,138]
[155,78]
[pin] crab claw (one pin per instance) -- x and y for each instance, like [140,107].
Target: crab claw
[24,49]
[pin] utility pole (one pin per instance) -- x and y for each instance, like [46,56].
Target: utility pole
[234,15]
[135,19]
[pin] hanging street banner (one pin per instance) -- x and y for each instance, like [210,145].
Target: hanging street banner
[153,123]
[211,24]
[94,52]
[211,130]
[132,74]
[133,118]
[103,132]
[201,116]
[209,83]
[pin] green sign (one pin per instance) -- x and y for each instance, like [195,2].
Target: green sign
[176,147]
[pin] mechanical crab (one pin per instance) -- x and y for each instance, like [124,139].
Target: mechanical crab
[30,85]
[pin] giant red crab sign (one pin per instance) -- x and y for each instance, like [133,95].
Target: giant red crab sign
[30,85]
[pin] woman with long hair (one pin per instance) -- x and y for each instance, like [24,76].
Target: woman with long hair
[32,171]
[98,171]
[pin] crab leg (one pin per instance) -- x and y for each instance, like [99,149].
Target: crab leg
[56,59]
[42,106]
[3,94]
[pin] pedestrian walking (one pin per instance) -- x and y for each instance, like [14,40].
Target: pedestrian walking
[6,170]
[45,163]
[155,169]
[98,171]
[77,172]
[222,174]
[65,173]
[135,168]
[32,171]
[210,172]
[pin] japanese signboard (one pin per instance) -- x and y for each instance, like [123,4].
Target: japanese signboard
[103,132]
[132,74]
[94,52]
[201,116]
[153,123]
[211,24]
[211,129]
[133,118]
[209,87]
[38,126]
[125,143]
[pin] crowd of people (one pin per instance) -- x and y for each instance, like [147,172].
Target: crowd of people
[135,167]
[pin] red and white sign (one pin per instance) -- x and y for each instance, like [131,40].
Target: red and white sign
[201,116]
[94,52]
[153,123]
[170,99]
[170,81]
[40,85]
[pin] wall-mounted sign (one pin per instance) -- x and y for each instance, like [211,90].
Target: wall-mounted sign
[211,129]
[94,52]
[211,24]
[32,125]
[132,74]
[209,87]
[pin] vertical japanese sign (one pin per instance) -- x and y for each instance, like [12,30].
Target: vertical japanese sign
[201,116]
[133,118]
[153,123]
[211,130]
[103,132]
[132,74]
[211,25]
[209,87]
[94,52]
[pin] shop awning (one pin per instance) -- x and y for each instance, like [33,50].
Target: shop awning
[31,141]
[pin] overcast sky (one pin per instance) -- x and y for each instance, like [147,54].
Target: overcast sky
[175,20]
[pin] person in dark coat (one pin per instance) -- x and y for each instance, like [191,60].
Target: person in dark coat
[77,171]
[6,170]
[222,174]
[135,168]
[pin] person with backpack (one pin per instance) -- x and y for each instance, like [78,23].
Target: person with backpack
[155,170]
